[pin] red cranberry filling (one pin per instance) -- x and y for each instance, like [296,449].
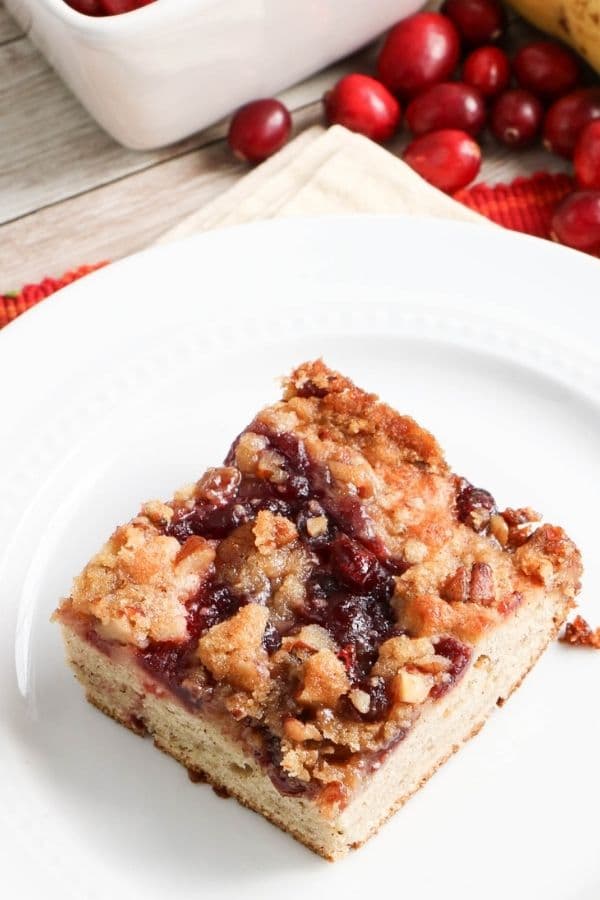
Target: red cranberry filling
[474,506]
[348,593]
[271,757]
[310,389]
[459,655]
[212,605]
[358,621]
[354,565]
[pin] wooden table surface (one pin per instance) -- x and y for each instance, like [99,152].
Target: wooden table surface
[70,195]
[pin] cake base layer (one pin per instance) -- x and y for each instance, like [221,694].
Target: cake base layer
[501,660]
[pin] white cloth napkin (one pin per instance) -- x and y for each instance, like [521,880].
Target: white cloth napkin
[324,171]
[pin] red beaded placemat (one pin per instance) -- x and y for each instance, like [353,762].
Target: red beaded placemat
[524,205]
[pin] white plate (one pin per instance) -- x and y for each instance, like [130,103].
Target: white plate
[131,381]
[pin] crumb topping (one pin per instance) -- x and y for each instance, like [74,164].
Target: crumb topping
[324,584]
[324,680]
[233,651]
[138,585]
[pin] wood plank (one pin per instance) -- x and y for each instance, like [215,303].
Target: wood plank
[119,218]
[9,30]
[51,148]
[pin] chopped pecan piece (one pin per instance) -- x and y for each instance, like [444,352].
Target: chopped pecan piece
[481,589]
[272,532]
[499,529]
[411,687]
[579,633]
[456,587]
[520,516]
[476,586]
[360,700]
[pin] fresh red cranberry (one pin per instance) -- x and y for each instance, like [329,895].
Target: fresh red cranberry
[546,68]
[586,159]
[116,7]
[447,105]
[576,221]
[478,21]
[517,117]
[448,159]
[259,129]
[352,563]
[488,70]
[87,7]
[418,52]
[363,104]
[474,506]
[567,117]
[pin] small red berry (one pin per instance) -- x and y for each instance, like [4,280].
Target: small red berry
[447,105]
[488,70]
[478,21]
[516,117]
[363,104]
[576,221]
[567,117]
[116,7]
[448,159]
[418,52]
[586,159]
[259,129]
[87,7]
[546,68]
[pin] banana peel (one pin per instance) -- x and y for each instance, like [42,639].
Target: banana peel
[576,22]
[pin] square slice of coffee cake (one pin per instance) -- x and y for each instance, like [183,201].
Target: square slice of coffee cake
[317,624]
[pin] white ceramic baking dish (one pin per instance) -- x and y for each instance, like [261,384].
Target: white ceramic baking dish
[168,69]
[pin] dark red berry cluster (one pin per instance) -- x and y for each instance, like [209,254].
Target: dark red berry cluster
[106,7]
[447,104]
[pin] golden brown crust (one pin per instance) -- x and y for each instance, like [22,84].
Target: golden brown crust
[357,416]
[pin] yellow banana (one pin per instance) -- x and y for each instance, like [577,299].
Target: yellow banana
[577,22]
